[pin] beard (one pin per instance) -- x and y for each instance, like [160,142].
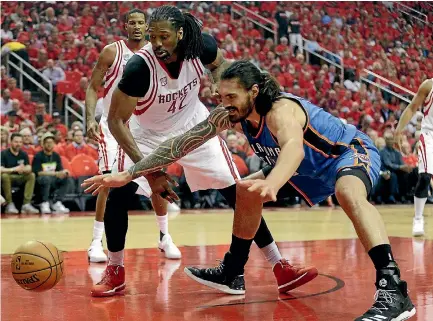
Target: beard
[242,112]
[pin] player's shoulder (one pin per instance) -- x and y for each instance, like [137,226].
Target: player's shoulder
[427,84]
[109,52]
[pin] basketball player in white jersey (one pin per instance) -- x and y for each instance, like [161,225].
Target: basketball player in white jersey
[108,71]
[423,99]
[157,98]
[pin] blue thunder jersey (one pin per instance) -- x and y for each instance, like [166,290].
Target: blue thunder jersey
[329,146]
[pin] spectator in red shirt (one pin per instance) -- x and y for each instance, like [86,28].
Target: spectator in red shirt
[58,125]
[3,77]
[27,105]
[78,146]
[89,52]
[409,158]
[80,94]
[11,123]
[16,93]
[4,138]
[41,118]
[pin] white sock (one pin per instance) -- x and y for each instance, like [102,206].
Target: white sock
[419,207]
[272,254]
[98,231]
[116,258]
[163,223]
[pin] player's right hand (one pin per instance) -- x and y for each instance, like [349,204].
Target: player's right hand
[93,130]
[160,183]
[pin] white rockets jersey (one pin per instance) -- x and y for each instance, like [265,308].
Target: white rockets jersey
[427,110]
[169,104]
[114,73]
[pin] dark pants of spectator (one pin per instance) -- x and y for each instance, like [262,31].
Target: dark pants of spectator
[52,186]
[407,183]
[386,188]
[9,180]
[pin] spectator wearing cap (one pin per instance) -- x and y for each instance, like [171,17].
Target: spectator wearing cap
[11,123]
[57,122]
[114,29]
[15,92]
[6,101]
[51,177]
[16,170]
[78,146]
[28,147]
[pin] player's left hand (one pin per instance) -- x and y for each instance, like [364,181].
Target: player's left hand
[262,187]
[96,183]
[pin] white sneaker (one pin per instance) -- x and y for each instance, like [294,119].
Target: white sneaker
[11,209]
[170,250]
[45,208]
[28,209]
[58,207]
[173,207]
[95,253]
[418,227]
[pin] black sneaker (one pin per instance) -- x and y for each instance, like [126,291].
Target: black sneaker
[218,278]
[392,303]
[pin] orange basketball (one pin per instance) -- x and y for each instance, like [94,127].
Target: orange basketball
[37,266]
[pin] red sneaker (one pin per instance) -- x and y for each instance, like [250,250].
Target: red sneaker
[112,283]
[290,277]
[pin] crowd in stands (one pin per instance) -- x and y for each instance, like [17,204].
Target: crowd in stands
[63,41]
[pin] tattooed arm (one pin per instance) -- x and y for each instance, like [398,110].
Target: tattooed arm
[177,147]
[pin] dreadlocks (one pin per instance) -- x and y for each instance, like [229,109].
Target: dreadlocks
[192,43]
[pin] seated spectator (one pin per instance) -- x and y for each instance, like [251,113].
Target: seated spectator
[4,138]
[5,101]
[16,170]
[53,73]
[57,122]
[12,123]
[392,161]
[15,92]
[3,77]
[80,94]
[41,118]
[28,147]
[409,158]
[78,146]
[27,105]
[51,177]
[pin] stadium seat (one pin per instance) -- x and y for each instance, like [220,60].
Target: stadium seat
[66,87]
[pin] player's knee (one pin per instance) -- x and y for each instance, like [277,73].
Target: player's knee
[421,189]
[349,197]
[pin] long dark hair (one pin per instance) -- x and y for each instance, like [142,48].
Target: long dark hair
[192,43]
[249,75]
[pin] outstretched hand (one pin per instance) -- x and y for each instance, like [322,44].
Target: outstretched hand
[262,187]
[96,183]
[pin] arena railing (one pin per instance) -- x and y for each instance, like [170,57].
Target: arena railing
[69,102]
[411,12]
[23,68]
[339,65]
[255,18]
[406,98]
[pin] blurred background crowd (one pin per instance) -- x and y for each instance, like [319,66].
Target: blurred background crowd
[360,61]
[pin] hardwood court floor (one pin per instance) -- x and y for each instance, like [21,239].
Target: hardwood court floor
[157,289]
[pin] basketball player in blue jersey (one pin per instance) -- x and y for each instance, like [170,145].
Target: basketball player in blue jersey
[309,152]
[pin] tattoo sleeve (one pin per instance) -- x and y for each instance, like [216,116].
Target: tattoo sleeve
[177,147]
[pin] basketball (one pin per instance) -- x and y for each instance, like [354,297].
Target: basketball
[37,266]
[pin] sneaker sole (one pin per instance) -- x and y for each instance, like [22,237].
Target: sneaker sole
[303,279]
[119,290]
[94,260]
[405,315]
[418,233]
[219,287]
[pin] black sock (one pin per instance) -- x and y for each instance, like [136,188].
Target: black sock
[239,251]
[263,236]
[161,235]
[381,255]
